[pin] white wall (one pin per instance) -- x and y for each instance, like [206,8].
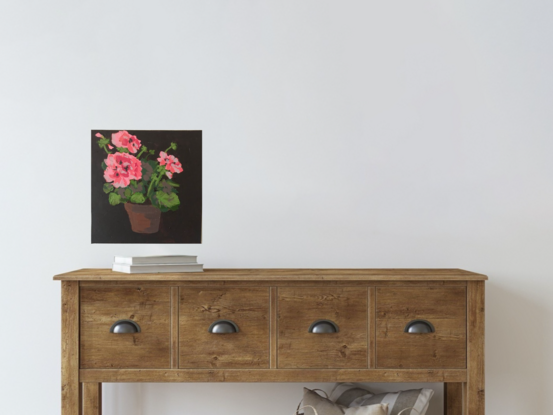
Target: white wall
[336,134]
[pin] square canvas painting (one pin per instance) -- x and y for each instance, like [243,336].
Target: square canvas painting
[146,186]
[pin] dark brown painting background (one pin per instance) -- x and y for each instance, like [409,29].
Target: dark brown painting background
[110,224]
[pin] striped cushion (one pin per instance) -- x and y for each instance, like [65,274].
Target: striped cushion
[325,406]
[351,395]
[345,393]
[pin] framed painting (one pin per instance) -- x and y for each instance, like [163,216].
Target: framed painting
[146,186]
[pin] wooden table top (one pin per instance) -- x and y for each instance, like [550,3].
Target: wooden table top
[287,274]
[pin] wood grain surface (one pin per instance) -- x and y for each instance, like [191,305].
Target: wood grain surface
[247,307]
[272,375]
[149,307]
[175,300]
[298,308]
[475,388]
[70,386]
[350,274]
[453,398]
[444,307]
[92,398]
[274,328]
[283,282]
[372,327]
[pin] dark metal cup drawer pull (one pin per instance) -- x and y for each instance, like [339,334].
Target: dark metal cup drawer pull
[323,327]
[223,327]
[124,327]
[419,327]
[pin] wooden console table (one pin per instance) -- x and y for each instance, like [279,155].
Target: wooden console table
[273,325]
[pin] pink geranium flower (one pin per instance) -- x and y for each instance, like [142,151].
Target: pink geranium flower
[171,163]
[115,177]
[121,169]
[125,140]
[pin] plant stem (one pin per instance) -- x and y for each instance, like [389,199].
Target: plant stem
[155,180]
[141,151]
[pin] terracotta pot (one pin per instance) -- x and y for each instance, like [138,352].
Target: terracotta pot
[144,218]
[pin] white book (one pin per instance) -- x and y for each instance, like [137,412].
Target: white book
[162,259]
[157,268]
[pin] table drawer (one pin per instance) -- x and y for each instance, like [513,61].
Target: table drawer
[300,308]
[149,308]
[201,308]
[446,310]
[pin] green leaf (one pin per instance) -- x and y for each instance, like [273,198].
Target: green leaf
[172,183]
[114,199]
[102,142]
[137,188]
[108,187]
[104,165]
[156,203]
[128,193]
[138,198]
[122,149]
[170,201]
[165,186]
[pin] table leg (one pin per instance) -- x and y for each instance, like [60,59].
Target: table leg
[70,386]
[92,399]
[475,386]
[453,398]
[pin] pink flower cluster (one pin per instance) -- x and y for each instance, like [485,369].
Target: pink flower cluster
[125,140]
[121,169]
[171,163]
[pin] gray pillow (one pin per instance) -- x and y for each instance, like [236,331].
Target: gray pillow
[345,393]
[351,395]
[419,399]
[325,406]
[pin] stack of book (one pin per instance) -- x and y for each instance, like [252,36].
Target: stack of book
[155,264]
